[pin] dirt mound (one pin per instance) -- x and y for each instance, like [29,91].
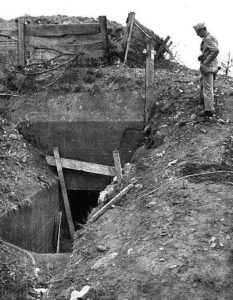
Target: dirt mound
[23,171]
[172,238]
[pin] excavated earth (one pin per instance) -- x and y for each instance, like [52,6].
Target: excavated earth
[171,236]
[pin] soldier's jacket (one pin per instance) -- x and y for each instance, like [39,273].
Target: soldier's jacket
[209,49]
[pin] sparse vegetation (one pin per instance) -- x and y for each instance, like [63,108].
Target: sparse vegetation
[227,64]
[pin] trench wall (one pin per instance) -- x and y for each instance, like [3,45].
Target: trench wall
[90,141]
[32,226]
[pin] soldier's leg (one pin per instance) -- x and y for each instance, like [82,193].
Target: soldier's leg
[208,92]
[201,91]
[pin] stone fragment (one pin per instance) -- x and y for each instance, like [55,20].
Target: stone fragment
[104,261]
[75,295]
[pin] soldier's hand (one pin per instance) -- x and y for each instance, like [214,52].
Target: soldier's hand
[200,58]
[204,69]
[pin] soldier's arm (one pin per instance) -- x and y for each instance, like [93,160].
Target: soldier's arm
[212,45]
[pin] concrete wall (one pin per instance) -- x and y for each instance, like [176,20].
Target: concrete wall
[32,226]
[91,141]
[83,126]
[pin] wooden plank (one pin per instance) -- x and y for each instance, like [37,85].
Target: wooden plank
[64,191]
[73,47]
[117,164]
[9,28]
[137,33]
[80,40]
[83,166]
[21,33]
[104,31]
[61,29]
[149,81]
[113,201]
[59,232]
[135,43]
[129,28]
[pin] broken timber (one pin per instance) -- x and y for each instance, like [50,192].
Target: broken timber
[64,191]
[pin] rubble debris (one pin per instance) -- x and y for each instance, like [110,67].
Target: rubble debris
[82,294]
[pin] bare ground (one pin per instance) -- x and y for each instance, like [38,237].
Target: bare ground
[171,238]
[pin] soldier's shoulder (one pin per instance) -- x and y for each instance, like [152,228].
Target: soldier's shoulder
[210,37]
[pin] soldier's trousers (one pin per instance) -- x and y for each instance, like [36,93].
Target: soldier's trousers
[207,91]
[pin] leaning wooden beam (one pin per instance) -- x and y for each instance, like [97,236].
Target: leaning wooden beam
[114,201]
[83,166]
[117,164]
[129,29]
[64,191]
[59,232]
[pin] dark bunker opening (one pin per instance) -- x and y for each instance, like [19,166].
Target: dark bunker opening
[81,204]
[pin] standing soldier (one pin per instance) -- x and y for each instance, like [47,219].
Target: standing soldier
[208,68]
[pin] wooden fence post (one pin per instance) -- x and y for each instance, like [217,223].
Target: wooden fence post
[64,191]
[149,81]
[127,35]
[104,31]
[21,37]
[117,164]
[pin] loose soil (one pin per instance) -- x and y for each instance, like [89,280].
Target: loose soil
[171,237]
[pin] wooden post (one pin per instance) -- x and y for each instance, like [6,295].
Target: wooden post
[21,37]
[117,164]
[127,35]
[64,191]
[104,31]
[149,81]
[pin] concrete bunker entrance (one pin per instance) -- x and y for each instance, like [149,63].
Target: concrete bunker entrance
[81,204]
[34,227]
